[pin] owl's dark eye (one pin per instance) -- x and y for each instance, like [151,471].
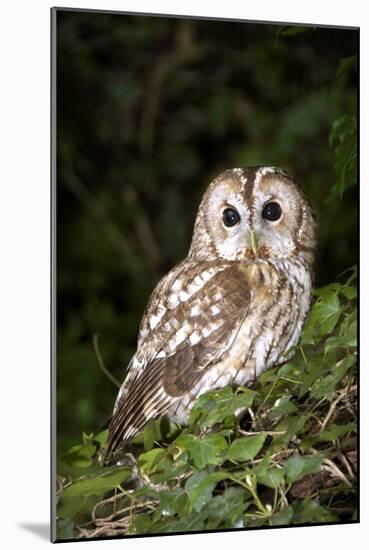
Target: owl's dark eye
[230,217]
[272,211]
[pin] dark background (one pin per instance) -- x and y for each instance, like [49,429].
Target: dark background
[149,110]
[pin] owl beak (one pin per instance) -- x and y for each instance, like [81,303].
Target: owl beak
[252,240]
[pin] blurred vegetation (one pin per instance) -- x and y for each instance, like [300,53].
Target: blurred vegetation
[149,111]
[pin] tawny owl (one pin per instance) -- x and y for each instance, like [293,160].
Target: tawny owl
[234,307]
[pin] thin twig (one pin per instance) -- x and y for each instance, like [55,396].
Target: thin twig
[112,500]
[331,411]
[100,361]
[347,464]
[96,208]
[333,468]
[145,233]
[266,398]
[262,432]
[303,355]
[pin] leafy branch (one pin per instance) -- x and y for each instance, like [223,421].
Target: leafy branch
[295,464]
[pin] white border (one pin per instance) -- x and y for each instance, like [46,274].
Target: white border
[24,254]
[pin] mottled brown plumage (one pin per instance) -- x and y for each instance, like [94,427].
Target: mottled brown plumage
[234,307]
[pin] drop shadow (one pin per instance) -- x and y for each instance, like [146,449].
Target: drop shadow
[42,530]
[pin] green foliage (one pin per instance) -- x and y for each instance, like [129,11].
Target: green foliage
[215,406]
[203,450]
[291,467]
[97,485]
[245,449]
[343,139]
[297,467]
[79,455]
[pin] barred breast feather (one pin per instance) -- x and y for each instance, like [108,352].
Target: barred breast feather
[238,326]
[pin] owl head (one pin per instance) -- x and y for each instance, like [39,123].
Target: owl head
[254,213]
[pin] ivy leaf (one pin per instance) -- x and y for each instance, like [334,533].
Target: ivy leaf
[213,407]
[101,438]
[271,477]
[309,511]
[292,425]
[328,311]
[317,367]
[282,406]
[347,337]
[64,529]
[160,466]
[350,292]
[324,315]
[283,517]
[297,467]
[204,450]
[98,485]
[328,289]
[148,461]
[348,340]
[290,370]
[151,434]
[310,331]
[79,456]
[332,433]
[192,522]
[69,508]
[141,524]
[246,448]
[326,386]
[225,510]
[200,487]
[174,502]
[156,430]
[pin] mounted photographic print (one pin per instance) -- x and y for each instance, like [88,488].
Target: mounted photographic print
[205,203]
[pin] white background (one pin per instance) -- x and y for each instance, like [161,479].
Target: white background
[24,267]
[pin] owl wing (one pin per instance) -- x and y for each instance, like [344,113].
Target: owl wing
[191,321]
